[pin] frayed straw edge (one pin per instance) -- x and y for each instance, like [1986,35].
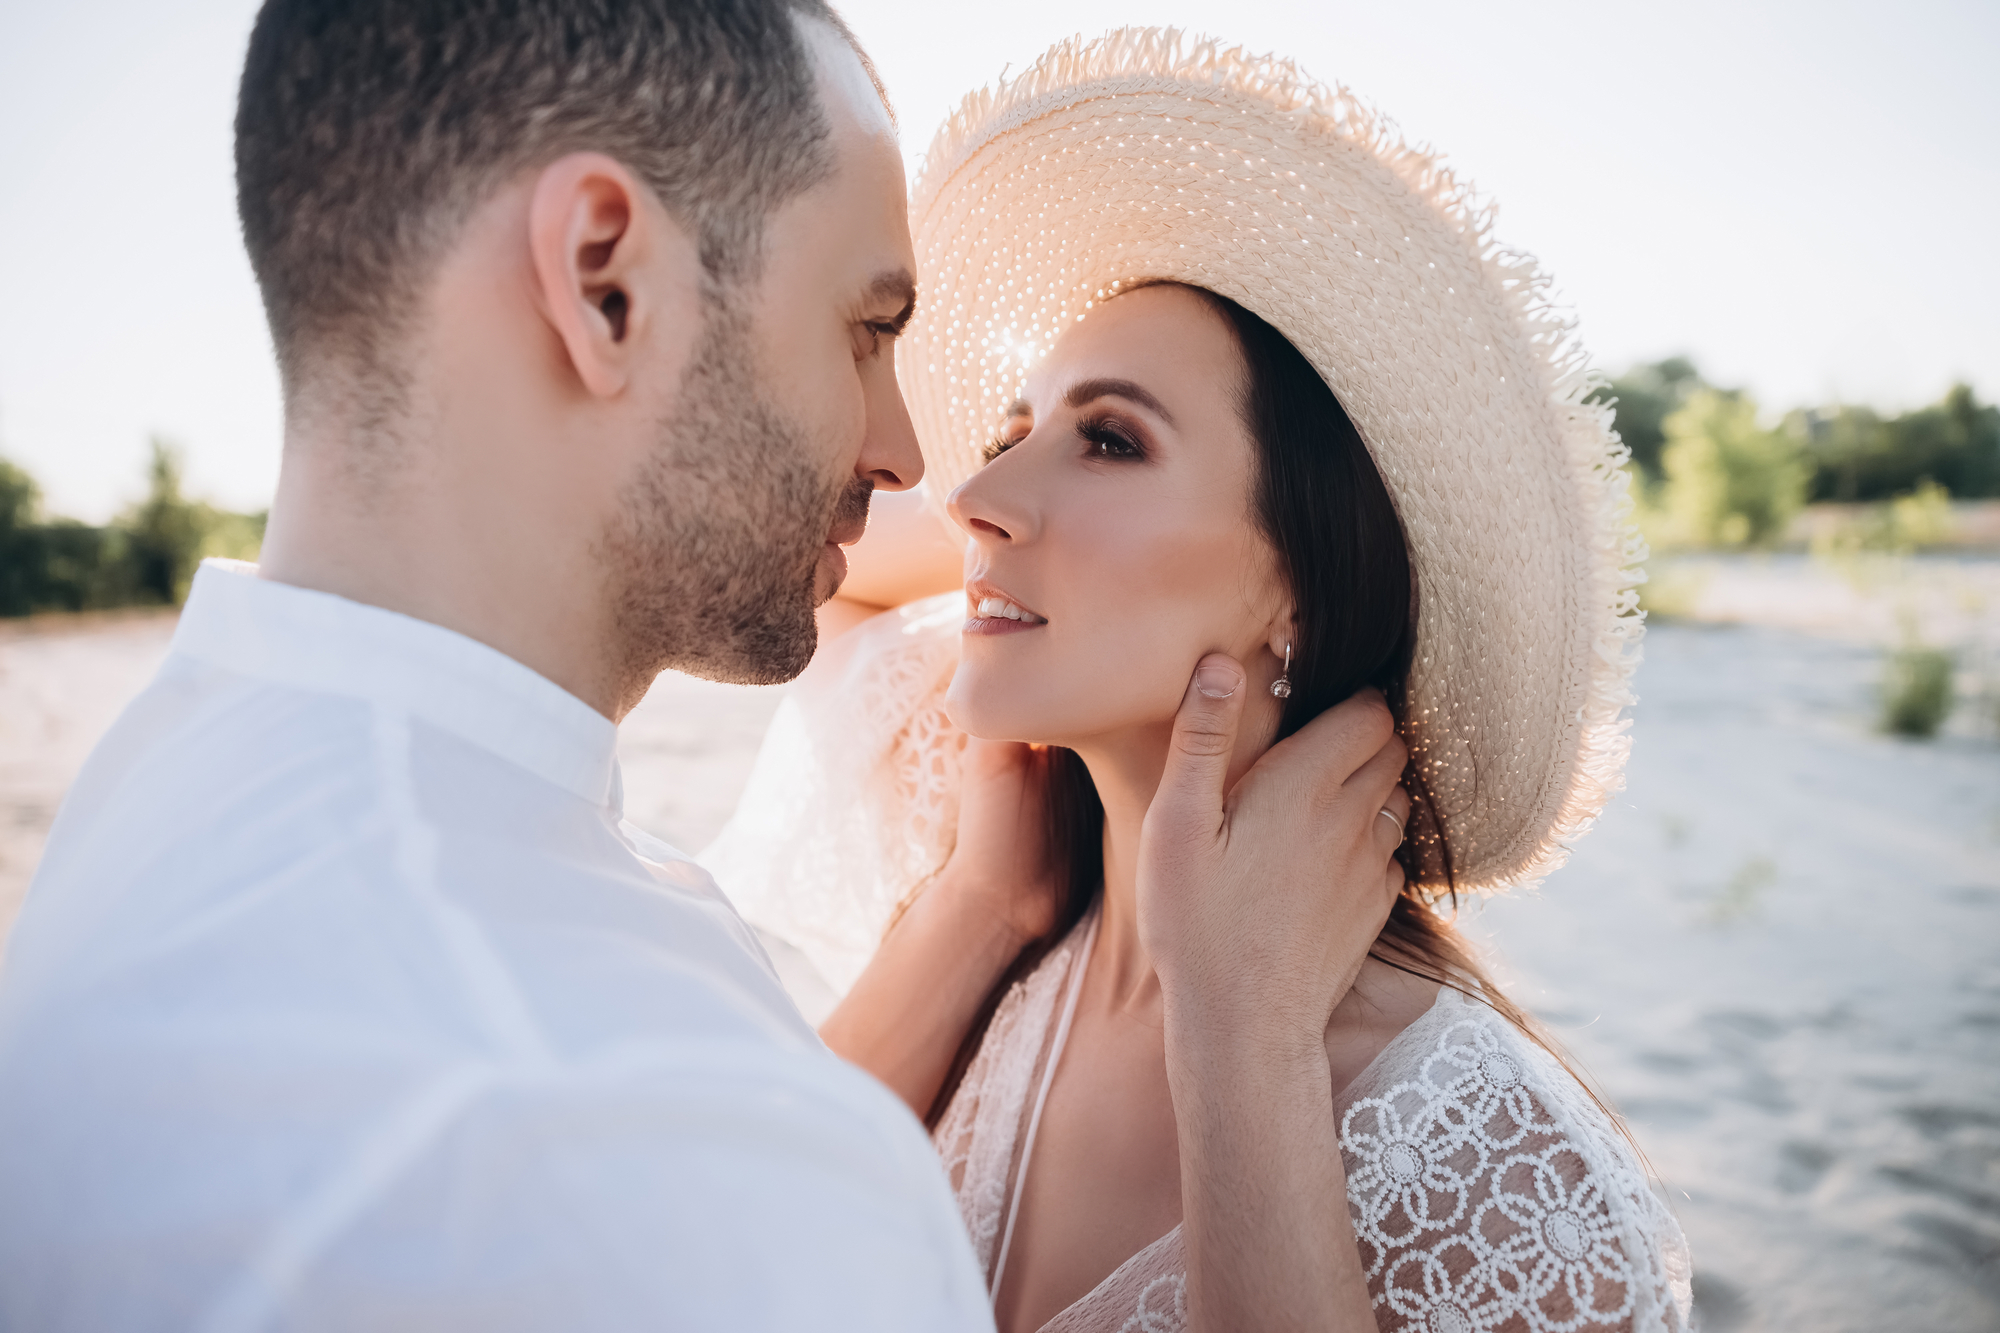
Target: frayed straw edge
[1143,59]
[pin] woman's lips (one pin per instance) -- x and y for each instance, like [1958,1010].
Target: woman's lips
[990,611]
[1000,625]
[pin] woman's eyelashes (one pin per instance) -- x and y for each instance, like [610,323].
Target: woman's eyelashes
[1103,437]
[1107,437]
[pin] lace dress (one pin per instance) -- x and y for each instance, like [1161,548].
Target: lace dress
[1487,1190]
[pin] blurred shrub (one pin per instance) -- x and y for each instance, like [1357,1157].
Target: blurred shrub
[1902,526]
[1727,481]
[164,533]
[1917,690]
[1670,591]
[146,556]
[1851,454]
[1744,893]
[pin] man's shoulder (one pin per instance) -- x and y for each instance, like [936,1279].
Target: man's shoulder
[251,875]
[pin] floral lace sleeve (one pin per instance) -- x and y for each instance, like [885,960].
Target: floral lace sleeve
[1488,1192]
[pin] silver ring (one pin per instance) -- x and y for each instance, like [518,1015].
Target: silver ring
[1384,812]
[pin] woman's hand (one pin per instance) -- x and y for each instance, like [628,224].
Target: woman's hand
[1002,862]
[1258,906]
[909,1011]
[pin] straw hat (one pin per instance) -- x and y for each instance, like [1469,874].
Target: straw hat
[1145,156]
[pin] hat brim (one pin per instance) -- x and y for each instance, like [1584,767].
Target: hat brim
[1142,156]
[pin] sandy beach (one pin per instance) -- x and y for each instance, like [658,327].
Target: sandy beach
[1778,953]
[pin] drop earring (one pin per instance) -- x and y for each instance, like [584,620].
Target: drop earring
[1282,686]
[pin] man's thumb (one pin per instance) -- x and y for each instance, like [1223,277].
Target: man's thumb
[1204,739]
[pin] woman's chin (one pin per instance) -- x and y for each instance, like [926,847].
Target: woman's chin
[977,712]
[997,712]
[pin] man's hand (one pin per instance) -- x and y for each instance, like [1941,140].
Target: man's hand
[1259,904]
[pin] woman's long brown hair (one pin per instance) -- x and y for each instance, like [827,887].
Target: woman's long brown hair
[1324,507]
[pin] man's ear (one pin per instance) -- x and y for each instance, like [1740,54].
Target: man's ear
[608,261]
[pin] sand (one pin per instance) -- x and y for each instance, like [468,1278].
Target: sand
[1778,953]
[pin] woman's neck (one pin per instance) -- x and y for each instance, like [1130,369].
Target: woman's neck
[1126,769]
[1126,772]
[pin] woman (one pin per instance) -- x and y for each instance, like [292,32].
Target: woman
[1267,401]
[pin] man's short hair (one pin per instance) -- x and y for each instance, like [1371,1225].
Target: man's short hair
[368,130]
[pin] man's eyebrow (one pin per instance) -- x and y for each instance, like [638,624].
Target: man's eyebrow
[890,285]
[1084,391]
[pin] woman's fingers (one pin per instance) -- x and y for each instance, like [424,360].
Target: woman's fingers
[1002,854]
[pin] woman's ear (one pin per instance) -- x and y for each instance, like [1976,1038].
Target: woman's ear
[1284,631]
[608,261]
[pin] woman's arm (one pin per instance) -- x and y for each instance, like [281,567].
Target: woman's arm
[910,1009]
[1258,909]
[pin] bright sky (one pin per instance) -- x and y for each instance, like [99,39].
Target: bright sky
[1802,195]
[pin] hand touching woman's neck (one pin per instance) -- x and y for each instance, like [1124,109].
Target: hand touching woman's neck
[1126,767]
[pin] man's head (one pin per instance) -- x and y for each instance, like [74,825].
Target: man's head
[603,283]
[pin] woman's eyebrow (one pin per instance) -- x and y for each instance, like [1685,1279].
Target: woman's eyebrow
[1084,391]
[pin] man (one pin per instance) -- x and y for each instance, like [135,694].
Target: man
[344,998]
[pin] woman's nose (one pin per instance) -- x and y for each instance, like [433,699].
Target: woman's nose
[991,505]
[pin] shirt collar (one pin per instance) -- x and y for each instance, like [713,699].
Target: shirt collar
[317,641]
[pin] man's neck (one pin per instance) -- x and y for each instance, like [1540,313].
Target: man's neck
[442,549]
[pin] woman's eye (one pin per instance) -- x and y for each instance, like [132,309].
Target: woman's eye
[995,447]
[1107,439]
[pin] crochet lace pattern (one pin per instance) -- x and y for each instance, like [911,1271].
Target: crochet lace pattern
[1487,1191]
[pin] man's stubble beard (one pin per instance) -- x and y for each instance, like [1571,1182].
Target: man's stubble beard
[715,552]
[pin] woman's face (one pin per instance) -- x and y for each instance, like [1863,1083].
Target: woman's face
[1115,514]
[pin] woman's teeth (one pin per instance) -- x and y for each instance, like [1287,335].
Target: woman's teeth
[999,607]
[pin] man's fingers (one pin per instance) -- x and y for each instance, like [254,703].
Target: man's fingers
[1191,789]
[1389,836]
[1326,752]
[1392,883]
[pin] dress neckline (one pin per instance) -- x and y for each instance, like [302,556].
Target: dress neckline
[1079,965]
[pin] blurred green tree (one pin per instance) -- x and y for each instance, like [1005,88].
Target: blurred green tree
[1858,454]
[1728,481]
[21,562]
[146,556]
[1643,397]
[164,533]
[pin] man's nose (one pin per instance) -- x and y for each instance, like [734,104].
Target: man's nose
[889,454]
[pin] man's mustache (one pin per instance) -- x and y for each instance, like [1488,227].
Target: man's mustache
[850,513]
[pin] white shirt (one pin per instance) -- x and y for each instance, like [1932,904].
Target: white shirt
[344,999]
